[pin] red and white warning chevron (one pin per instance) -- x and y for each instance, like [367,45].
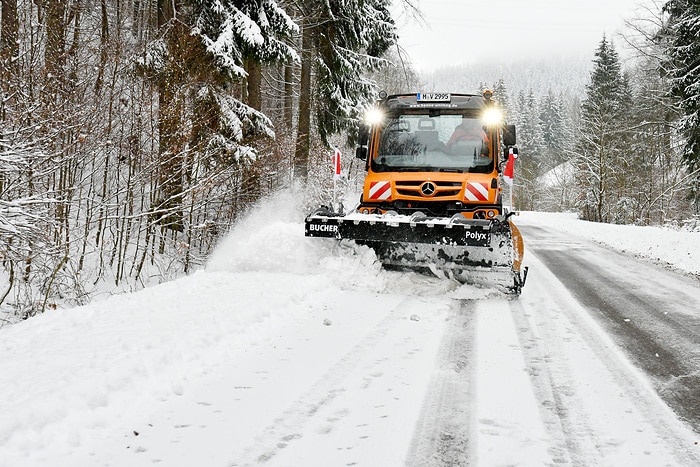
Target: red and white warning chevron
[380,191]
[476,191]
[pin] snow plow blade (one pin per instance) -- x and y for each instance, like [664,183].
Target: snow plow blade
[486,252]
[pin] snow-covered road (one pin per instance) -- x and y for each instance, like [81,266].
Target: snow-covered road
[312,355]
[650,312]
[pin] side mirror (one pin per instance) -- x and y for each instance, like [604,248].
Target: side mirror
[509,135]
[362,140]
[363,135]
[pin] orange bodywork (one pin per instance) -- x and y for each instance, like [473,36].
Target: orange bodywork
[478,192]
[469,189]
[432,193]
[518,246]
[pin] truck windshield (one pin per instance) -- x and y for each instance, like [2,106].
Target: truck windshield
[433,143]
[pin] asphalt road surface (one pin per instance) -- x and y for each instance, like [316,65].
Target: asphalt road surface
[650,312]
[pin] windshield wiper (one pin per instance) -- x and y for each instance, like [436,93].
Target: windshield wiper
[391,168]
[412,169]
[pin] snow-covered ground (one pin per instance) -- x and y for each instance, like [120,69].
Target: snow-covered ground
[206,368]
[676,248]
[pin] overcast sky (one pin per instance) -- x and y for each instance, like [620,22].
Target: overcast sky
[465,31]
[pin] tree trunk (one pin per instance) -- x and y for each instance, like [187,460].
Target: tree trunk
[171,159]
[303,143]
[288,96]
[104,41]
[601,186]
[168,209]
[9,48]
[166,11]
[55,52]
[254,83]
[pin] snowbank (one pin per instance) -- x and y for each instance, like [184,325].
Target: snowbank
[674,248]
[70,377]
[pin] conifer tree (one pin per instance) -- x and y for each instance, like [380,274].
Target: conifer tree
[532,146]
[500,92]
[682,31]
[342,40]
[201,51]
[553,127]
[603,131]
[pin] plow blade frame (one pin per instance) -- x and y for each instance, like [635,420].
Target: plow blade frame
[470,250]
[444,244]
[465,233]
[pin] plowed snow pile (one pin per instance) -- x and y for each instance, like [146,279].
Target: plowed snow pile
[79,386]
[677,248]
[70,378]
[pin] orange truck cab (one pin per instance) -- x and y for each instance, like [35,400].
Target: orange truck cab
[438,153]
[431,197]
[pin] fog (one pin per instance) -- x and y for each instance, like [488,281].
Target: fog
[455,32]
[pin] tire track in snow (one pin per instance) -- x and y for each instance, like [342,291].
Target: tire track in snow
[303,433]
[491,400]
[567,445]
[444,433]
[608,411]
[509,426]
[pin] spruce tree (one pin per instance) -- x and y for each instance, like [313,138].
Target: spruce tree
[532,146]
[350,47]
[603,130]
[681,35]
[552,123]
[201,51]
[500,93]
[343,41]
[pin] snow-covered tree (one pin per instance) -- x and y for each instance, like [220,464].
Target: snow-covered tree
[658,181]
[500,93]
[398,76]
[200,52]
[603,136]
[655,176]
[532,149]
[9,46]
[553,123]
[117,119]
[342,41]
[681,36]
[532,141]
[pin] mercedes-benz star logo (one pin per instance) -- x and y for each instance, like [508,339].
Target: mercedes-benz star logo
[428,189]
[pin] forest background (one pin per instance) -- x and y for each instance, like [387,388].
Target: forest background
[134,133]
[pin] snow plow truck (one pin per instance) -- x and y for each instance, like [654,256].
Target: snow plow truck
[432,195]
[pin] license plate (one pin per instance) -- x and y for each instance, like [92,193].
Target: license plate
[433,97]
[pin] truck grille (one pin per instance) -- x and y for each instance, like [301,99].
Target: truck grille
[443,189]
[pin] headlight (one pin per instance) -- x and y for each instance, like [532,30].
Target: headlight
[492,117]
[374,117]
